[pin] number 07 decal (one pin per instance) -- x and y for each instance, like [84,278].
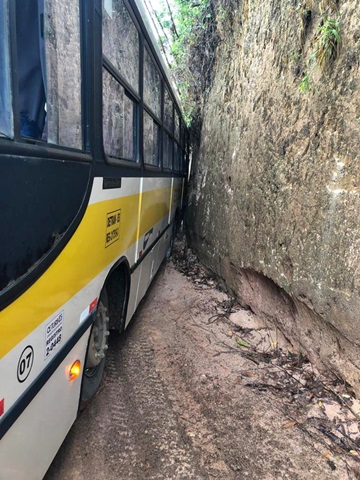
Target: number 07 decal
[25,364]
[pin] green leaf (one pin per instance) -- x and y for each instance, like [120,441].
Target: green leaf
[242,343]
[304,85]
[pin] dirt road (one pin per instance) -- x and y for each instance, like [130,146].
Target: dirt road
[175,405]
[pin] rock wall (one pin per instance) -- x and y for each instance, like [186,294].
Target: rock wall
[274,200]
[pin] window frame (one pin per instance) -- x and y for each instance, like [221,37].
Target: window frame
[147,109]
[40,147]
[112,160]
[106,64]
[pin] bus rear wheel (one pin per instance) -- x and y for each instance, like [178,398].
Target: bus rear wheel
[95,358]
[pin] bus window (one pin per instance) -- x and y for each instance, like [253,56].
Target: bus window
[168,111]
[151,140]
[121,41]
[119,115]
[167,152]
[152,92]
[5,98]
[48,61]
[63,72]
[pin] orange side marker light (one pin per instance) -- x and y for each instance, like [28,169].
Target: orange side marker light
[75,370]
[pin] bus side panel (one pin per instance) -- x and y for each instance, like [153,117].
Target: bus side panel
[134,292]
[145,276]
[34,439]
[109,228]
[155,207]
[149,267]
[162,249]
[123,203]
[156,197]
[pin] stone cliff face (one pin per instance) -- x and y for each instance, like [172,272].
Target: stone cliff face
[274,204]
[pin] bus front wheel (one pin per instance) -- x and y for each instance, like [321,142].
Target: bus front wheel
[95,358]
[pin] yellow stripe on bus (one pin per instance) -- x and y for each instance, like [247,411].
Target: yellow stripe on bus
[155,206]
[85,256]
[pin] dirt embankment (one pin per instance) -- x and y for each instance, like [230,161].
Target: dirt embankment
[200,388]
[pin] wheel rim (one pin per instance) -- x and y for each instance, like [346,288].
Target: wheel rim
[98,343]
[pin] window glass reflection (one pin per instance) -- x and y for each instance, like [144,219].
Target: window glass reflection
[63,72]
[151,140]
[118,119]
[168,111]
[152,92]
[121,41]
[49,70]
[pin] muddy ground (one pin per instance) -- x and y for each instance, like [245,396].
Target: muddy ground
[198,388]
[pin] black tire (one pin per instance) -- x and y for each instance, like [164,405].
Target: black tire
[117,289]
[95,356]
[91,384]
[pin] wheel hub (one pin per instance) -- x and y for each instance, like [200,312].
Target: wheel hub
[98,339]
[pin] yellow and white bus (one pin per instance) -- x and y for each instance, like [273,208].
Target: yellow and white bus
[93,167]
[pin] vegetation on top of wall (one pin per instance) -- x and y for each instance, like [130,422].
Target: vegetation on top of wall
[189,35]
[191,32]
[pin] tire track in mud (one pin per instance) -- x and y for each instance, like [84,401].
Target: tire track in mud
[178,364]
[130,430]
[149,439]
[121,450]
